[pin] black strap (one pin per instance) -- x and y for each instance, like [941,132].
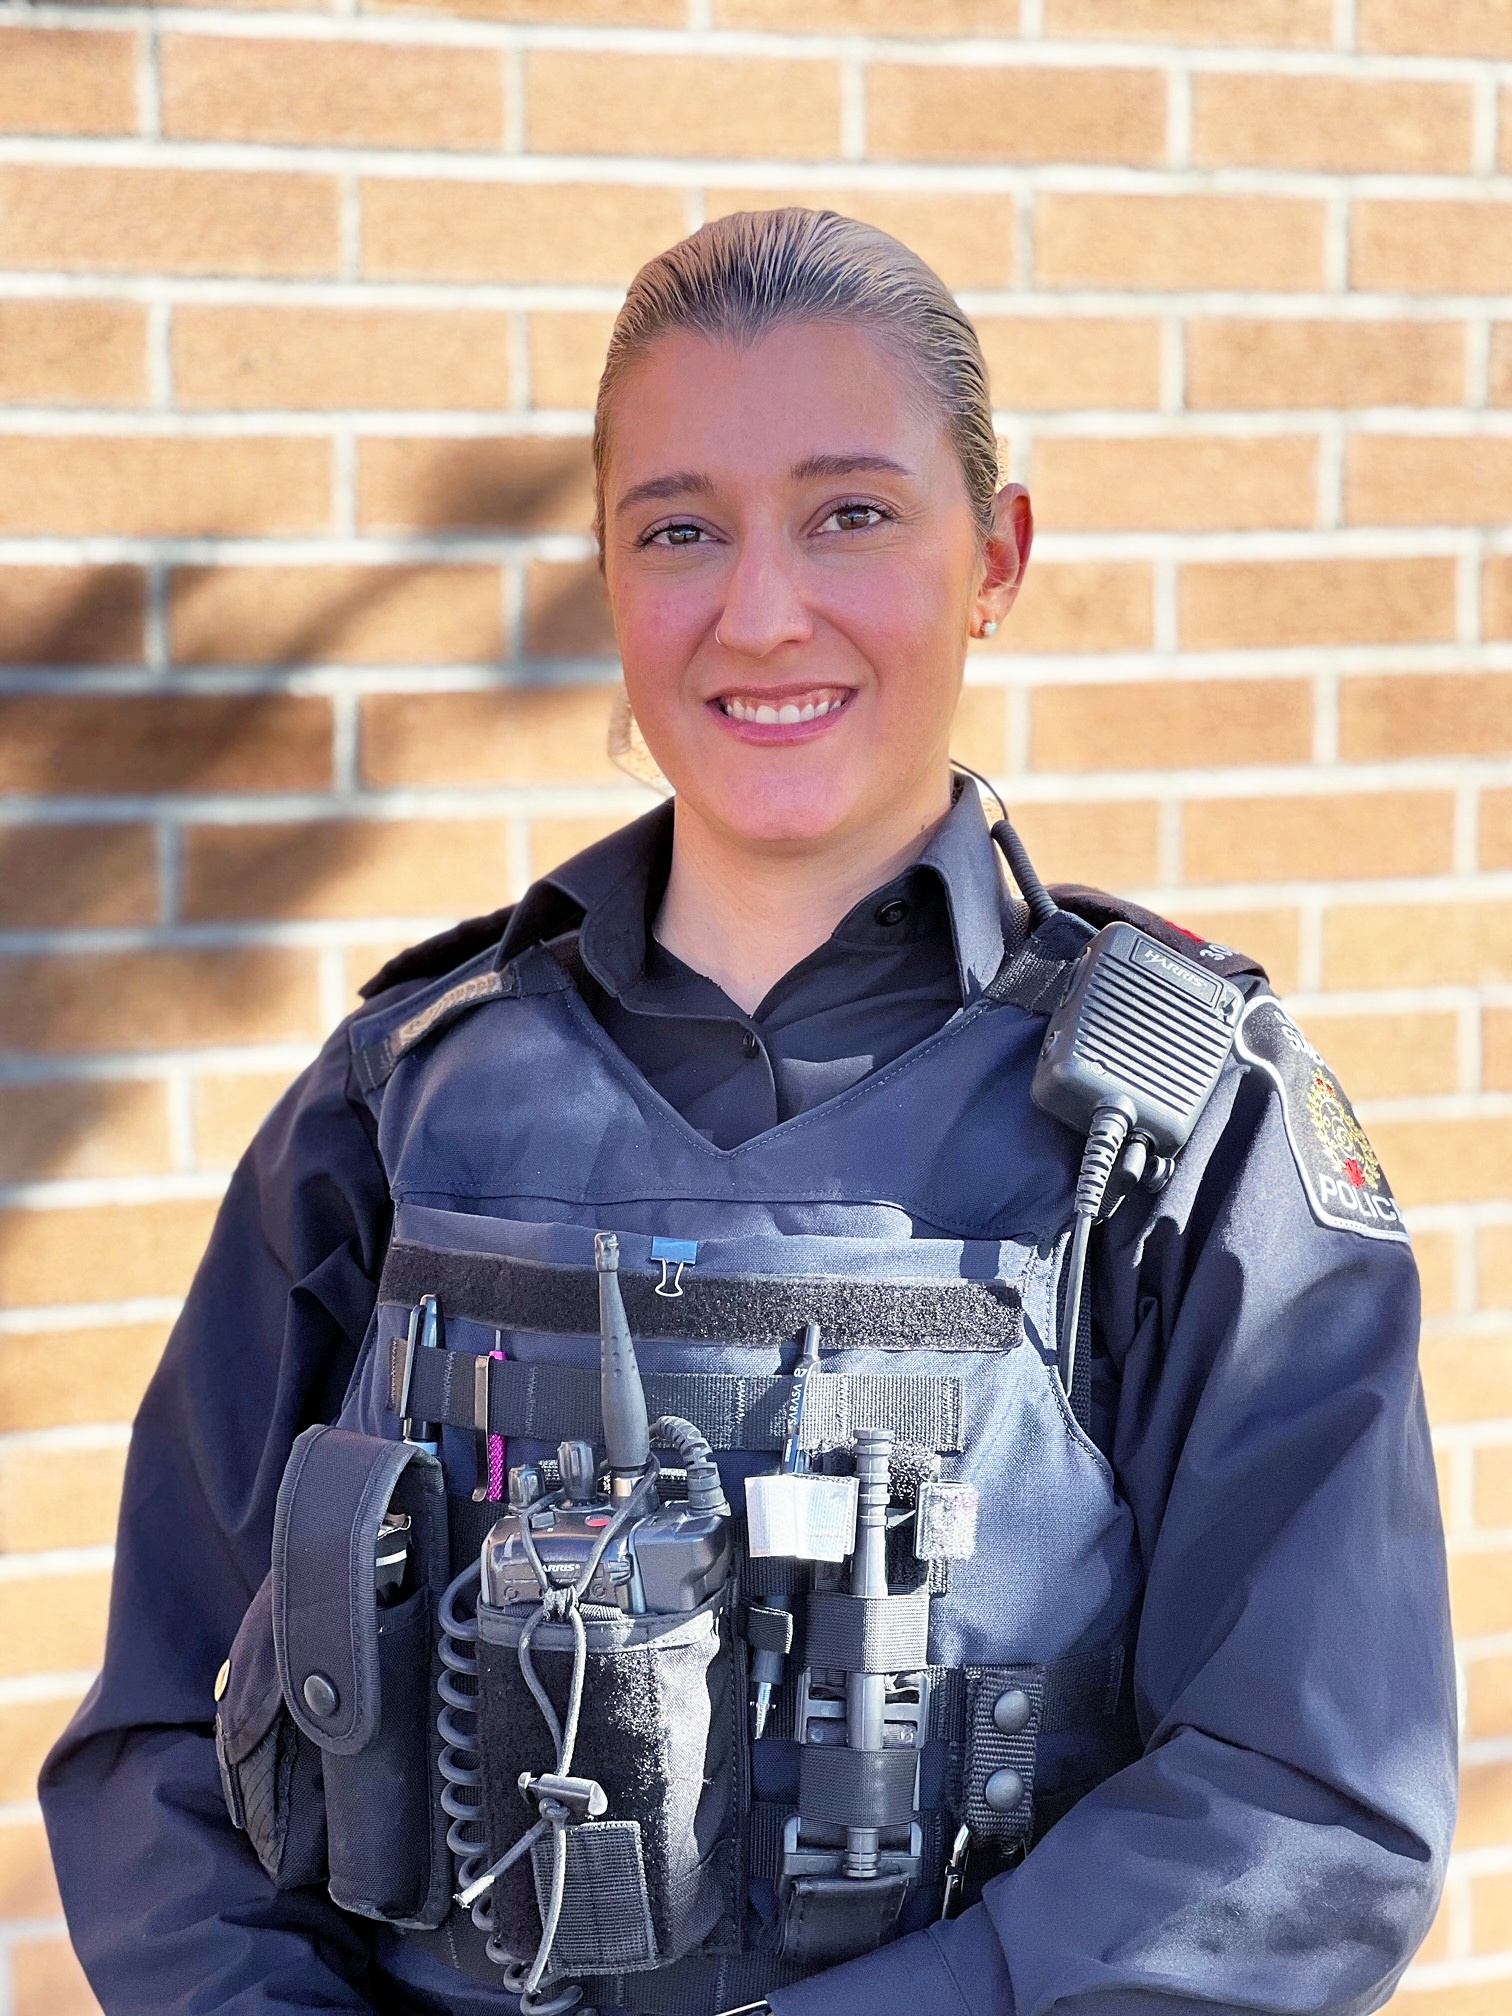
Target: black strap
[752,1309]
[548,1402]
[693,1987]
[839,1787]
[868,1634]
[1034,976]
[834,1918]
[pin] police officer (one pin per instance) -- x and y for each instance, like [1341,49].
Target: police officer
[1194,1706]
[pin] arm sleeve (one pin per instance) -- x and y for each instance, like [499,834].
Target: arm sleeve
[1281,1844]
[167,1905]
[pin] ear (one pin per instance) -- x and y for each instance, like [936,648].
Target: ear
[1008,547]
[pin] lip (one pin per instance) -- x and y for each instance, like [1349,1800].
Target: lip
[768,733]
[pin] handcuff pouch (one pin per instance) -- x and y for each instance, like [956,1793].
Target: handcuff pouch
[358,1676]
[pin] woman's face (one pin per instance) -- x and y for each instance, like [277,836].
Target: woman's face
[799,498]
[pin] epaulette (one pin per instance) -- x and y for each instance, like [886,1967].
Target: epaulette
[1099,908]
[434,956]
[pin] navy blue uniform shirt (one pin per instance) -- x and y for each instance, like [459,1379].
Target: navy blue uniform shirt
[1281,1844]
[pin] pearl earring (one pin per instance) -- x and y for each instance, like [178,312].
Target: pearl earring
[988,628]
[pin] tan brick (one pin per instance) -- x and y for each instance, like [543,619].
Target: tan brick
[158,1000]
[1387,1056]
[1496,1054]
[61,615]
[1245,604]
[1190,484]
[1071,363]
[1417,944]
[46,1974]
[28,1730]
[107,1252]
[1344,124]
[1081,605]
[1281,24]
[941,112]
[1496,829]
[163,485]
[1500,387]
[554,13]
[168,220]
[1437,1255]
[28,1888]
[1242,362]
[603,102]
[1242,243]
[67,80]
[72,1378]
[567,347]
[1318,838]
[1490,718]
[58,1497]
[77,875]
[1467,1377]
[1431,248]
[325,358]
[1490,1697]
[1491,1912]
[352,615]
[149,743]
[1480,1593]
[979,733]
[1445,1161]
[228,1110]
[1493,1263]
[1468,28]
[935,18]
[1436,1945]
[1416,480]
[72,353]
[553,841]
[508,735]
[360,963]
[345,868]
[575,233]
[1493,1484]
[567,611]
[1430,713]
[519,484]
[1173,724]
[1110,844]
[968,238]
[356,94]
[97,1128]
[1271,936]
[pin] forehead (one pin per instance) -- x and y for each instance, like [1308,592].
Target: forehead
[705,402]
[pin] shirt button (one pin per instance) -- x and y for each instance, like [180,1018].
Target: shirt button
[893,911]
[749,1043]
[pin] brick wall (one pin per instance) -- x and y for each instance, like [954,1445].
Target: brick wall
[304,654]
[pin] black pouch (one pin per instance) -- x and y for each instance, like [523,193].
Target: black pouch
[659,1732]
[359,1678]
[269,1769]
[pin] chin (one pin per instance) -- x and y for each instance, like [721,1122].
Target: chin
[776,811]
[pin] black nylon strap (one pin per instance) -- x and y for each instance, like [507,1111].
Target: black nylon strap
[760,1310]
[1033,977]
[856,1788]
[693,1987]
[868,1634]
[549,1402]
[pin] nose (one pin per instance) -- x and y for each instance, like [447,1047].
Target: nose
[764,607]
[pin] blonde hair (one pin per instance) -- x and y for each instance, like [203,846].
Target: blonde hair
[739,276]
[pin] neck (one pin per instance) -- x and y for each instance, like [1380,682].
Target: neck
[744,915]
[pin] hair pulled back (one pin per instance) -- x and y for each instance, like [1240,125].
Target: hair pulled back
[739,276]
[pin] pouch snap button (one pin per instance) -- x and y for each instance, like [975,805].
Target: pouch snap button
[322,1699]
[1011,1711]
[1003,1791]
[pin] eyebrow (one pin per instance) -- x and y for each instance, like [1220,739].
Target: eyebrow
[693,482]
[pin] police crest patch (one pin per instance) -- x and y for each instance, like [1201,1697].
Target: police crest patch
[1340,1171]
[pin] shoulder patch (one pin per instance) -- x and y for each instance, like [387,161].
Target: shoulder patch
[1341,1173]
[1099,908]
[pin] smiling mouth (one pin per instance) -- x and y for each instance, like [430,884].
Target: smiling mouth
[814,704]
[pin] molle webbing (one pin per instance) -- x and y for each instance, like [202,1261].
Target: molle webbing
[551,1402]
[761,1310]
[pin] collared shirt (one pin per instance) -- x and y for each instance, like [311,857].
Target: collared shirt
[895,968]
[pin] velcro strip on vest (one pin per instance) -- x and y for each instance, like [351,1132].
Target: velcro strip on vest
[868,1634]
[856,1788]
[1034,977]
[552,1402]
[750,1309]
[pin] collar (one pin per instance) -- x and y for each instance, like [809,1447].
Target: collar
[609,891]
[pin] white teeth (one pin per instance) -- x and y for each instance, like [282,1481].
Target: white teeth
[785,715]
[824,707]
[807,713]
[766,715]
[789,715]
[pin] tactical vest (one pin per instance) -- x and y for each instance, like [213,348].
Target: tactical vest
[922,1219]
